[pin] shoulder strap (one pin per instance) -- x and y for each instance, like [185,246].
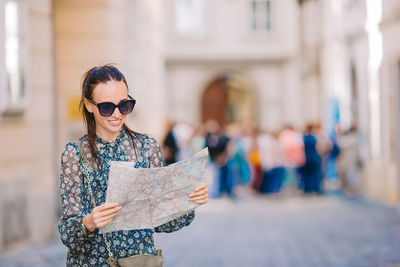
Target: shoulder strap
[85,172]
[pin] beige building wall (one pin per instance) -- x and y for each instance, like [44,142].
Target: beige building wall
[64,39]
[344,45]
[27,159]
[146,65]
[168,73]
[390,74]
[266,61]
[380,172]
[123,32]
[87,34]
[310,28]
[273,86]
[228,33]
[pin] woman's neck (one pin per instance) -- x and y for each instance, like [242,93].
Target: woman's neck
[108,136]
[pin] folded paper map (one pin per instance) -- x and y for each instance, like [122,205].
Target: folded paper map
[150,197]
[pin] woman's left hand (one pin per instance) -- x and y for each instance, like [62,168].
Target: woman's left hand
[199,195]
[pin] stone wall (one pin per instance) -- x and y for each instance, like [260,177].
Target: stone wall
[27,159]
[266,61]
[123,32]
[345,47]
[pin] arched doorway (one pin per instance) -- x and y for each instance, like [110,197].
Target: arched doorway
[228,99]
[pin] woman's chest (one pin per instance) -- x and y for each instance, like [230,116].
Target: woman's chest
[99,176]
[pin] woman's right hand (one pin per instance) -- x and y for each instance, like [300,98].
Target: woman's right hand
[100,216]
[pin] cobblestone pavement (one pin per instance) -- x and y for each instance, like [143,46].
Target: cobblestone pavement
[263,231]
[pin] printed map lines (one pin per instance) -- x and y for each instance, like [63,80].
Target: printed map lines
[150,197]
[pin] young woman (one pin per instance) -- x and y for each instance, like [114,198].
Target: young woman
[105,103]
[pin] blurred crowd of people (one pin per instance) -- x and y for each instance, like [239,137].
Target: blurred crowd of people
[288,160]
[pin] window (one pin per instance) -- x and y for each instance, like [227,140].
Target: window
[261,15]
[190,17]
[14,87]
[351,4]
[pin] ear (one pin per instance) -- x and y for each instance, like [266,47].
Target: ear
[88,105]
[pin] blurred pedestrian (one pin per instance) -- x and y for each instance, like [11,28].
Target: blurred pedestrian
[221,150]
[331,172]
[85,168]
[311,172]
[170,145]
[183,133]
[292,146]
[223,180]
[324,149]
[349,161]
[252,152]
[238,159]
[255,165]
[197,141]
[324,143]
[272,163]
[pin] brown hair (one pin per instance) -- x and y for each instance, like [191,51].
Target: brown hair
[91,78]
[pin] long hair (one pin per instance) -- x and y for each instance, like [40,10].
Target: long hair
[91,78]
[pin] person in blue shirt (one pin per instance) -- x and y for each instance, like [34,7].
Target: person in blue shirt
[311,172]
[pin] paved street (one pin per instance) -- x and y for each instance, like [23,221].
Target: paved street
[262,231]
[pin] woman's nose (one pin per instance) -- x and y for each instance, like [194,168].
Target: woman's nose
[116,113]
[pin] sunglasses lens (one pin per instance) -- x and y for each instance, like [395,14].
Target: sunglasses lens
[106,109]
[126,106]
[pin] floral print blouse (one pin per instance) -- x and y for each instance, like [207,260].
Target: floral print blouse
[90,249]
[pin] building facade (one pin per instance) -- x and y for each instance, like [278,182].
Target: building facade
[246,50]
[27,124]
[274,62]
[357,57]
[173,54]
[47,46]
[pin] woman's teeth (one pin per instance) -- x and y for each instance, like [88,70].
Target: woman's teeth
[115,122]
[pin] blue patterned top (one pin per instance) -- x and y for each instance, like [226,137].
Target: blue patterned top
[90,249]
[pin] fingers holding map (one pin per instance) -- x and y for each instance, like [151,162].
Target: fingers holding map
[154,196]
[200,195]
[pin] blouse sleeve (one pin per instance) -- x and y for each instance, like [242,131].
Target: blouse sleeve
[71,232]
[185,220]
[155,153]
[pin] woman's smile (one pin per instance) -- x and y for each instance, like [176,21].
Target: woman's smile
[108,127]
[115,122]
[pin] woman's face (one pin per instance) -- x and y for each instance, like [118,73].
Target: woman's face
[112,91]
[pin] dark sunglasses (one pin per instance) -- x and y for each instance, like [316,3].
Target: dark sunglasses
[107,108]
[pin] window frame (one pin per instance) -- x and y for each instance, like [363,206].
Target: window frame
[194,34]
[268,19]
[7,107]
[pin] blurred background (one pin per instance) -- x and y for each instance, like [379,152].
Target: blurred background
[294,98]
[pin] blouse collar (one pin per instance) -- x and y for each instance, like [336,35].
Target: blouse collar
[117,141]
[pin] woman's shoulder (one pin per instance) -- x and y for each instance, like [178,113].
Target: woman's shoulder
[149,140]
[74,146]
[70,153]
[69,147]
